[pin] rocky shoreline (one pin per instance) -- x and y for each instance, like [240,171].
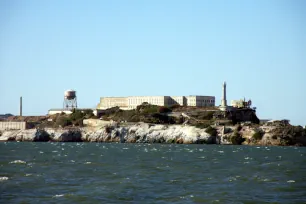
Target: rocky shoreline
[154,133]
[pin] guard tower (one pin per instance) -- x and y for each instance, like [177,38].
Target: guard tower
[70,100]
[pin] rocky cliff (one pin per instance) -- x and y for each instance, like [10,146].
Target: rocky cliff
[135,133]
[150,133]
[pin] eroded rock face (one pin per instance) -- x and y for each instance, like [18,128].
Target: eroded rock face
[138,133]
[65,135]
[180,134]
[41,136]
[275,135]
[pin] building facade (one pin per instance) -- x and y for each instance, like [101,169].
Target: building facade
[8,125]
[109,102]
[131,102]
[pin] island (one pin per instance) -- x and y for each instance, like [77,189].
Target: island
[155,124]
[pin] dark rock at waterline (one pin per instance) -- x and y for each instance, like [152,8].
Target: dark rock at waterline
[41,136]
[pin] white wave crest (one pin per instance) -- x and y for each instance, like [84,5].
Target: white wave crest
[57,196]
[18,162]
[4,178]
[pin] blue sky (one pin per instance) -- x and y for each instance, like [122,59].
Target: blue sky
[122,48]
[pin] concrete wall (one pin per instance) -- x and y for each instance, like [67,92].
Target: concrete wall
[177,100]
[201,101]
[109,102]
[97,122]
[53,112]
[134,101]
[13,125]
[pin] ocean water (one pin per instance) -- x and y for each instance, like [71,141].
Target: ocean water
[150,173]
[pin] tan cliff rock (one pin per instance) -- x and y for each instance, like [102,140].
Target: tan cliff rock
[247,134]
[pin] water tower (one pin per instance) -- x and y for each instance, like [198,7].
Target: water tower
[70,100]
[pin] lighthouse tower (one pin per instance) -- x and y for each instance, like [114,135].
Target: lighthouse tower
[223,106]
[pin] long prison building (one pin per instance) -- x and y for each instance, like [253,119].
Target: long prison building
[131,102]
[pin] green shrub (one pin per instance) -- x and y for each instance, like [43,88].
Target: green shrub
[78,122]
[257,136]
[238,128]
[147,109]
[207,115]
[164,109]
[175,106]
[236,138]
[162,119]
[212,131]
[202,125]
[134,118]
[76,115]
[88,112]
[63,121]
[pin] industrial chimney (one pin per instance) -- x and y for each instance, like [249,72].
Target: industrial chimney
[20,108]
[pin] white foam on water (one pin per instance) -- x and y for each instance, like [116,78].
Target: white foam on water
[145,149]
[41,152]
[221,151]
[125,148]
[18,162]
[72,161]
[230,179]
[291,181]
[28,175]
[201,150]
[57,196]
[54,151]
[4,178]
[87,162]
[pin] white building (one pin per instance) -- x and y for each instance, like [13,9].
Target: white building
[59,111]
[131,102]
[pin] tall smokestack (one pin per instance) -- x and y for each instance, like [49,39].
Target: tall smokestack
[20,108]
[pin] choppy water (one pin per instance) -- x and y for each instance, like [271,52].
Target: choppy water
[150,173]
